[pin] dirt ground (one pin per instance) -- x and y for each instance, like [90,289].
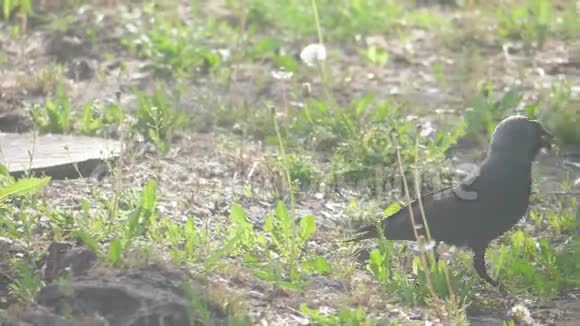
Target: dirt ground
[207,170]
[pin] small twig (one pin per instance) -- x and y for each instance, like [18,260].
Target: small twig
[422,256]
[252,169]
[426,225]
[556,193]
[11,279]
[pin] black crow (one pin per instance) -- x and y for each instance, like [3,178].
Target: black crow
[483,206]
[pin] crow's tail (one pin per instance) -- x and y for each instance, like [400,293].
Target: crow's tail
[366,232]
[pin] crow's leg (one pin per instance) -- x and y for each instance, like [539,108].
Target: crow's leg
[479,264]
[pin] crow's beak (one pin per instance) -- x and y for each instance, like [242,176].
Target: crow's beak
[548,140]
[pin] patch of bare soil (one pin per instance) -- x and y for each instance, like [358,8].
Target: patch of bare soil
[8,248]
[89,295]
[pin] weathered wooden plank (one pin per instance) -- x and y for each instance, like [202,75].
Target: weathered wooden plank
[58,156]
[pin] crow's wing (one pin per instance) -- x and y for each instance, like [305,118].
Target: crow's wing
[443,212]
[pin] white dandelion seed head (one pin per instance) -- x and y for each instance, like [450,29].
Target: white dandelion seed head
[422,245]
[282,74]
[313,53]
[521,312]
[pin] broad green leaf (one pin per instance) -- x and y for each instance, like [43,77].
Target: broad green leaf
[113,114]
[284,220]
[266,47]
[226,250]
[307,227]
[87,239]
[392,209]
[23,186]
[269,224]
[115,251]
[251,259]
[361,105]
[148,195]
[6,8]
[282,213]
[290,285]
[376,257]
[190,229]
[4,170]
[133,220]
[321,265]
[238,214]
[266,275]
[286,61]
